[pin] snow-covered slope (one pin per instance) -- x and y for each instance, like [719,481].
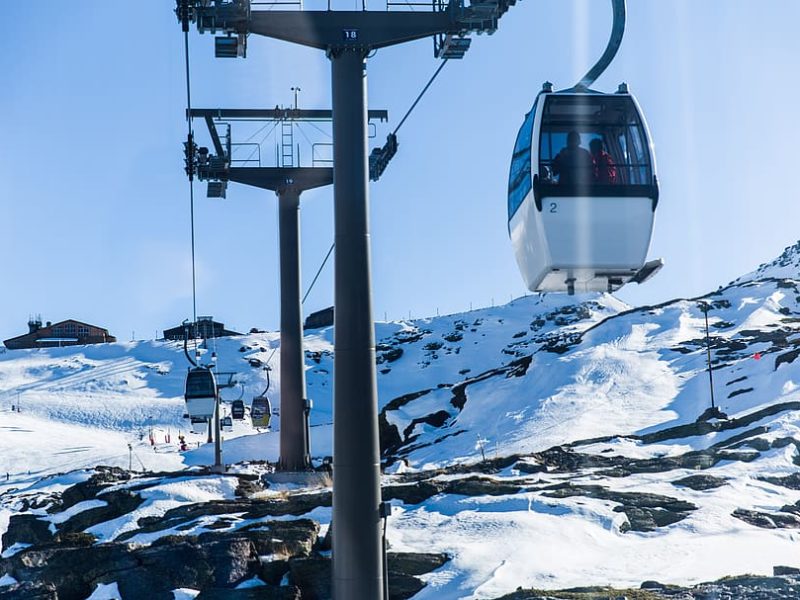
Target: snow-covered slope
[580,413]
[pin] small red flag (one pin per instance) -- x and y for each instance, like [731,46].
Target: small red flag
[757,355]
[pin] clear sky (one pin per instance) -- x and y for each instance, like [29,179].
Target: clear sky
[95,209]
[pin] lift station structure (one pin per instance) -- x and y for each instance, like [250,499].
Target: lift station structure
[288,179]
[348,37]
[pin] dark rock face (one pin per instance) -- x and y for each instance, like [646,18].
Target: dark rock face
[645,512]
[27,529]
[700,482]
[118,503]
[415,563]
[29,590]
[790,481]
[419,491]
[768,520]
[313,575]
[88,490]
[258,593]
[210,560]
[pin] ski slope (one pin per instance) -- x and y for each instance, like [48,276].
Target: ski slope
[519,379]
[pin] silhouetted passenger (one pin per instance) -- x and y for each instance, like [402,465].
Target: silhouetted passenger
[605,171]
[573,164]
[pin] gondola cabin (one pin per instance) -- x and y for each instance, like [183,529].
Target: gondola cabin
[582,192]
[199,424]
[261,411]
[227,423]
[201,393]
[237,410]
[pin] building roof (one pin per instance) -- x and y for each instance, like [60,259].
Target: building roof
[49,329]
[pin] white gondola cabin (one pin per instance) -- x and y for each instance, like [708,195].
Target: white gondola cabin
[201,393]
[582,192]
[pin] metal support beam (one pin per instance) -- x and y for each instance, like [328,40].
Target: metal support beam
[276,178]
[353,30]
[357,544]
[294,425]
[219,467]
[286,114]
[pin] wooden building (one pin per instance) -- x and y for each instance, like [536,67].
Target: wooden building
[55,335]
[321,318]
[206,328]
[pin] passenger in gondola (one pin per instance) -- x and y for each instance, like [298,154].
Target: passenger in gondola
[605,171]
[573,165]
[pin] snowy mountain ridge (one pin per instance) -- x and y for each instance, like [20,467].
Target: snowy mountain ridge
[570,422]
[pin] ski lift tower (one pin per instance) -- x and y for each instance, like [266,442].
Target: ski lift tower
[242,163]
[347,37]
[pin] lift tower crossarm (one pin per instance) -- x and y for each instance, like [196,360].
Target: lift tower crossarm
[336,31]
[275,114]
[351,29]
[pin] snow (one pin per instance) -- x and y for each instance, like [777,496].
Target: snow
[13,549]
[105,591]
[158,499]
[251,583]
[599,371]
[7,580]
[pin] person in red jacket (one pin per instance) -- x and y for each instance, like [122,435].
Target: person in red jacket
[605,171]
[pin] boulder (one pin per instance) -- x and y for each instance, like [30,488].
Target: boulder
[27,529]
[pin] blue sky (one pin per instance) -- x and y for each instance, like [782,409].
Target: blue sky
[95,203]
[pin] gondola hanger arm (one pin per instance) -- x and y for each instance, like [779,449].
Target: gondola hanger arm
[614,42]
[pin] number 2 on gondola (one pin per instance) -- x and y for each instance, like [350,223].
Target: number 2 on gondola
[553,207]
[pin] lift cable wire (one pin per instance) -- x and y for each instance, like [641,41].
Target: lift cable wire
[308,291]
[263,139]
[422,93]
[319,271]
[396,129]
[318,128]
[614,42]
[303,133]
[184,8]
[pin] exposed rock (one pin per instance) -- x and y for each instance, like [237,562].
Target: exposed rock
[700,482]
[768,520]
[254,508]
[29,590]
[419,491]
[27,529]
[415,563]
[87,490]
[118,503]
[790,481]
[313,576]
[645,512]
[257,593]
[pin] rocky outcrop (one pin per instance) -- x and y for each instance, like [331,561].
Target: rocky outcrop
[645,512]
